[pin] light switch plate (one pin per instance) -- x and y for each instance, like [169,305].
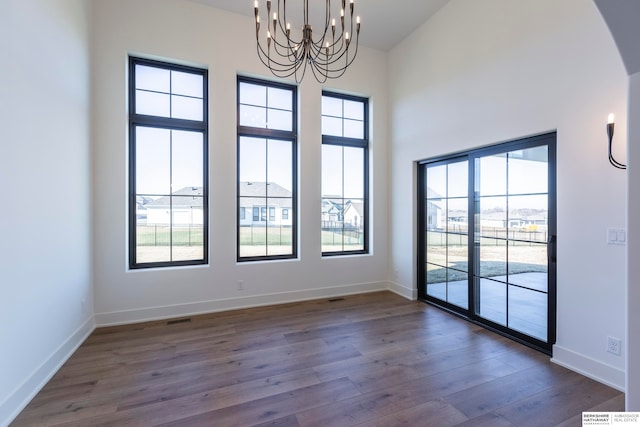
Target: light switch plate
[616,236]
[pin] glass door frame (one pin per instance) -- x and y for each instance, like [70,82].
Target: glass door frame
[472,312]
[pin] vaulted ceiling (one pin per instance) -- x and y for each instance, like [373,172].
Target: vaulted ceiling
[622,17]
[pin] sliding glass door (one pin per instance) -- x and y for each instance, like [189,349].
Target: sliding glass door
[487,246]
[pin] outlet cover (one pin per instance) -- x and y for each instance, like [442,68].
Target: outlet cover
[614,346]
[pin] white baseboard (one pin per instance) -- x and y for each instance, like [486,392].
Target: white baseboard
[212,306]
[16,401]
[598,371]
[410,294]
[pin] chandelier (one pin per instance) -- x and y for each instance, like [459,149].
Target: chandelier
[288,52]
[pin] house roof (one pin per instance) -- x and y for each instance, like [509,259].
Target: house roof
[186,197]
[264,194]
[142,201]
[329,204]
[252,194]
[262,189]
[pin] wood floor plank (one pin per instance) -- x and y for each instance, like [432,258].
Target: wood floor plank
[388,400]
[434,413]
[164,410]
[273,407]
[289,421]
[371,359]
[570,395]
[506,390]
[616,404]
[487,420]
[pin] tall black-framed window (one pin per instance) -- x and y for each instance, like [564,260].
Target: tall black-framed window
[267,170]
[487,237]
[168,164]
[345,174]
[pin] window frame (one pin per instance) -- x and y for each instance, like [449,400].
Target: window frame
[141,120]
[269,134]
[357,143]
[473,256]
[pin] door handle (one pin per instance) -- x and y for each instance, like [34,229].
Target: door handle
[551,248]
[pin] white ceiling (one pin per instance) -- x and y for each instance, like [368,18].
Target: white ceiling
[384,22]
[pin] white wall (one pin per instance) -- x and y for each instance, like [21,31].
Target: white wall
[633,254]
[225,44]
[45,221]
[479,73]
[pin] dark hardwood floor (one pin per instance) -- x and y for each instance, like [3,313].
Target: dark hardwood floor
[373,360]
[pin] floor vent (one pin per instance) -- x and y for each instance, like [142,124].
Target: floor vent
[336,299]
[176,321]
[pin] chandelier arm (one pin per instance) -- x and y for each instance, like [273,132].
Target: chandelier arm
[340,72]
[327,17]
[346,52]
[323,76]
[282,73]
[332,58]
[282,49]
[304,70]
[284,46]
[337,57]
[262,54]
[282,18]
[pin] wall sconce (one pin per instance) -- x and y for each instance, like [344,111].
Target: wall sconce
[610,126]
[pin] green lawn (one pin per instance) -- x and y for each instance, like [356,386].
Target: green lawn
[158,235]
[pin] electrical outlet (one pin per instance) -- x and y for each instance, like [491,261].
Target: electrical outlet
[240,285]
[614,346]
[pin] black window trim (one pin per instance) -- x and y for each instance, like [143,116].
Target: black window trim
[358,143]
[202,126]
[255,132]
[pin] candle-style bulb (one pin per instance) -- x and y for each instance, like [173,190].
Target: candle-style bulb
[612,119]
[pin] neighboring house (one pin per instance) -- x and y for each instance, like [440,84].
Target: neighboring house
[332,212]
[353,215]
[265,204]
[141,208]
[338,213]
[435,220]
[186,205]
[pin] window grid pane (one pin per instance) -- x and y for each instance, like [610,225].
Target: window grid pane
[167,185]
[266,170]
[344,213]
[162,92]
